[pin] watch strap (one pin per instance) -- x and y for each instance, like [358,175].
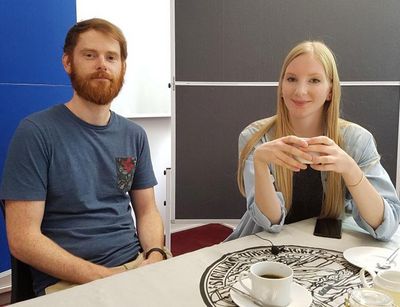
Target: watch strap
[156,249]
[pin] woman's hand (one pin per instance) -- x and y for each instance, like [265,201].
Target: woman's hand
[282,152]
[331,156]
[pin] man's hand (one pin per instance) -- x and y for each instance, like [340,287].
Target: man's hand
[153,258]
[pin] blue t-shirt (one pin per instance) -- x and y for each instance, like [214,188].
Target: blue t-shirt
[83,173]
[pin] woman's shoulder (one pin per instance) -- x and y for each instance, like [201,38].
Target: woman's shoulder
[357,141]
[351,132]
[256,126]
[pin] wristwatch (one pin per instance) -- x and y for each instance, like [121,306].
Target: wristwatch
[156,249]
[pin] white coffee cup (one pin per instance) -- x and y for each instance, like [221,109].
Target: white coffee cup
[387,281]
[312,153]
[304,161]
[271,282]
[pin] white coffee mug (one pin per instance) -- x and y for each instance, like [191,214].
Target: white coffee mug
[387,281]
[312,153]
[271,282]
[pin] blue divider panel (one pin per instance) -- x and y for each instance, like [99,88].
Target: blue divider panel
[31,77]
[32,34]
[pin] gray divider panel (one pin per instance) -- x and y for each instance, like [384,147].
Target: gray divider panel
[246,41]
[209,120]
[377,110]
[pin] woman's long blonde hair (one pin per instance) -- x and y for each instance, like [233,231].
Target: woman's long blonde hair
[333,200]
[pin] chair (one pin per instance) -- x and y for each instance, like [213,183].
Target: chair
[21,278]
[21,281]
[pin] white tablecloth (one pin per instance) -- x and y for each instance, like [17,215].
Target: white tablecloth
[175,282]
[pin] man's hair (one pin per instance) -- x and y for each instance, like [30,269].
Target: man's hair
[97,24]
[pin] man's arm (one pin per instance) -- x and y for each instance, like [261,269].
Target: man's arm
[28,244]
[149,223]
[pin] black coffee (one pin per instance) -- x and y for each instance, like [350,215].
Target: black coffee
[271,276]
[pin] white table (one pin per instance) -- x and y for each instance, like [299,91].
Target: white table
[175,282]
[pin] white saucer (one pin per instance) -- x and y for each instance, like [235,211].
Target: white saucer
[302,295]
[368,256]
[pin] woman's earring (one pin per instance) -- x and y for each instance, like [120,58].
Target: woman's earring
[329,98]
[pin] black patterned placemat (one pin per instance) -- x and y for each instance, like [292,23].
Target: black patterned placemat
[325,273]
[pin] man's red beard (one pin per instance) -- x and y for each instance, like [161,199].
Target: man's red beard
[100,92]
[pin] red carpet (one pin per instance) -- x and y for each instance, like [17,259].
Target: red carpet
[192,239]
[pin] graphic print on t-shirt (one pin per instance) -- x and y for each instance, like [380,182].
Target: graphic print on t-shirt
[125,170]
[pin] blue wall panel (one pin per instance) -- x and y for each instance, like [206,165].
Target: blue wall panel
[31,76]
[32,35]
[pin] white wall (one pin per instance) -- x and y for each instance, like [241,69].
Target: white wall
[146,26]
[145,97]
[159,134]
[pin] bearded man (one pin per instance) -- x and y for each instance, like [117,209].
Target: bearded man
[73,170]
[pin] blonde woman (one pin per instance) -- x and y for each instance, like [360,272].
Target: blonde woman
[305,161]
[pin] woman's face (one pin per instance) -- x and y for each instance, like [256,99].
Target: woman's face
[305,88]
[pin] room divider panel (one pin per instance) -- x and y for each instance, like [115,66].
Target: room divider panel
[227,57]
[31,76]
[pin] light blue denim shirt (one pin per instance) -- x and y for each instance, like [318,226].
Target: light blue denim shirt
[360,145]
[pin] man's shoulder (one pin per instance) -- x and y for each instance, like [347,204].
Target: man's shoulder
[44,116]
[48,112]
[40,120]
[129,124]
